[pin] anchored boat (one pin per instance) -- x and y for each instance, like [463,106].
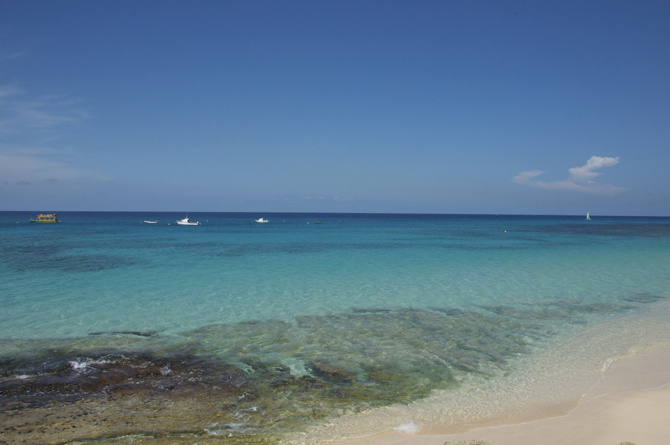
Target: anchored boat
[187,222]
[48,218]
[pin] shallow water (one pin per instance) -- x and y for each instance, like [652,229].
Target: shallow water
[254,332]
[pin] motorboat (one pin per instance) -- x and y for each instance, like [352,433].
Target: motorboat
[187,222]
[261,220]
[150,222]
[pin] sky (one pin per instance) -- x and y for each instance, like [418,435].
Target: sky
[488,107]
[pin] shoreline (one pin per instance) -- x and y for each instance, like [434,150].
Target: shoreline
[630,405]
[119,394]
[623,357]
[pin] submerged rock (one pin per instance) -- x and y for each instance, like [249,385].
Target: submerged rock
[330,371]
[85,397]
[136,333]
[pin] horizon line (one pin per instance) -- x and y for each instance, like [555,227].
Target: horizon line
[341,213]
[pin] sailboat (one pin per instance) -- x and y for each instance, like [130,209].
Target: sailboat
[588,218]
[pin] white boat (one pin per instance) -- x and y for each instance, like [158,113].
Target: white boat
[261,220]
[588,218]
[187,222]
[150,222]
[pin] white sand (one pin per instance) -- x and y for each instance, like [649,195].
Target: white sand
[632,405]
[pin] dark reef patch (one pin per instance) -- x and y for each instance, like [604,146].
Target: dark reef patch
[621,229]
[27,258]
[136,333]
[91,396]
[644,298]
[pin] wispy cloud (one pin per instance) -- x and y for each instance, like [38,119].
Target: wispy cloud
[30,120]
[579,180]
[298,198]
[5,56]
[313,199]
[22,169]
[21,112]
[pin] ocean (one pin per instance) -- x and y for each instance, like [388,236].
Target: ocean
[313,327]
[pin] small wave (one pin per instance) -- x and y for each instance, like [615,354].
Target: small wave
[608,362]
[297,367]
[409,427]
[82,365]
[227,429]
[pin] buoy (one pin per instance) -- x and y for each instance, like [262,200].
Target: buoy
[505,231]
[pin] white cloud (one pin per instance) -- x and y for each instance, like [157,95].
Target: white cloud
[585,173]
[580,179]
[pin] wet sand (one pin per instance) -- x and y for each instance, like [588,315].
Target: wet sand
[631,405]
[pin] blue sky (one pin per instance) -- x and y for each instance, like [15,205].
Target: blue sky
[520,107]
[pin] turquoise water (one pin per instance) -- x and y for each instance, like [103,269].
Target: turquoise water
[107,271]
[386,307]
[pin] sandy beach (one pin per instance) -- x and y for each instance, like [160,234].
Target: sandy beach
[631,405]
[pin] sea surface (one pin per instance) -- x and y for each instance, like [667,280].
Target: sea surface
[312,327]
